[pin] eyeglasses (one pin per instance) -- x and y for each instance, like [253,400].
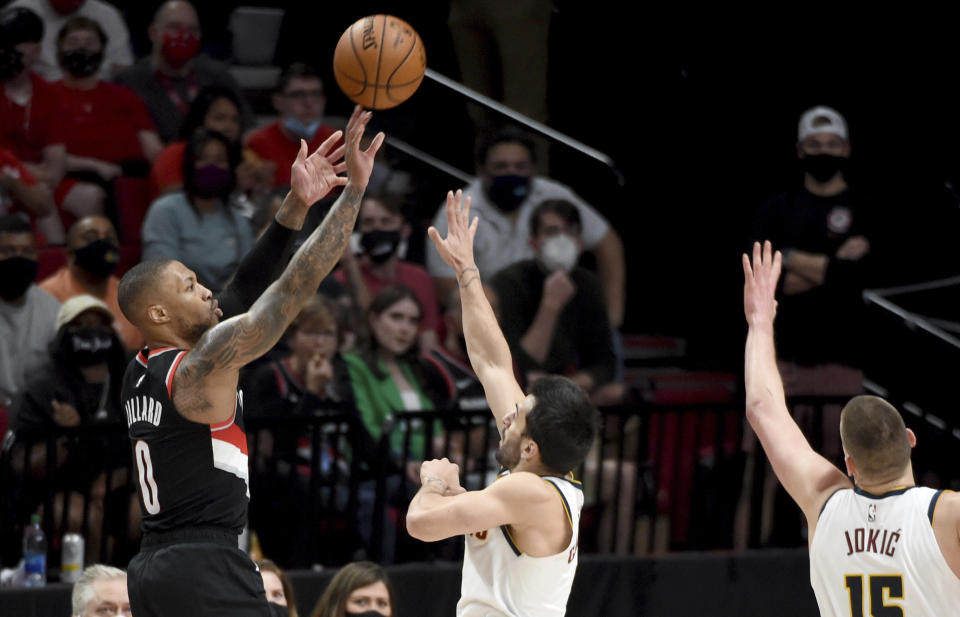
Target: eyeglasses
[303,95]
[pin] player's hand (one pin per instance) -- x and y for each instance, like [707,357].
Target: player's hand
[558,289]
[457,248]
[359,163]
[447,472]
[760,283]
[313,177]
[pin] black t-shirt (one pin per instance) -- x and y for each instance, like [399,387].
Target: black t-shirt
[824,324]
[582,339]
[189,474]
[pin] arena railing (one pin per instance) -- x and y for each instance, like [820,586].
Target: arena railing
[661,478]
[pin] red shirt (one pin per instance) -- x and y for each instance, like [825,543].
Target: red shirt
[103,122]
[414,277]
[11,166]
[27,129]
[271,144]
[167,168]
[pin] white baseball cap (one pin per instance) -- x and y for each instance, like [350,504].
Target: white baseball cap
[821,119]
[72,308]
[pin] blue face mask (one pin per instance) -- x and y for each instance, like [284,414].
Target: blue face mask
[301,129]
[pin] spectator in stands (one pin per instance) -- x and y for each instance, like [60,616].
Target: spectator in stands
[20,191]
[552,312]
[386,370]
[359,588]
[300,102]
[101,592]
[29,123]
[216,108]
[91,109]
[27,313]
[169,79]
[196,226]
[826,232]
[504,196]
[78,385]
[278,588]
[383,229]
[117,53]
[92,257]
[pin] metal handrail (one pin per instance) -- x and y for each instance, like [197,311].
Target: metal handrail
[527,121]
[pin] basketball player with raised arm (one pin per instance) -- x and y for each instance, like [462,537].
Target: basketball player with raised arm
[185,414]
[879,545]
[522,531]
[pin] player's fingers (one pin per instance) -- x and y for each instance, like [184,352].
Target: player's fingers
[302,155]
[375,144]
[747,270]
[767,253]
[777,264]
[434,235]
[466,207]
[756,255]
[337,154]
[328,143]
[451,210]
[473,226]
[339,168]
[339,181]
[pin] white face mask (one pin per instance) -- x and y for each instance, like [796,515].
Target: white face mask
[559,252]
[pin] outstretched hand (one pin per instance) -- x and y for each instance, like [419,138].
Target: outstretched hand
[457,248]
[313,177]
[760,283]
[359,163]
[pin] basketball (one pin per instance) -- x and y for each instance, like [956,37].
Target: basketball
[379,61]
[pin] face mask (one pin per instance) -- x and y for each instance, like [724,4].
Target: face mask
[11,63]
[823,167]
[66,7]
[88,346]
[99,258]
[301,129]
[16,274]
[179,47]
[508,192]
[559,252]
[211,181]
[364,614]
[380,245]
[81,62]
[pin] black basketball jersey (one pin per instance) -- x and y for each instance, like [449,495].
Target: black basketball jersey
[189,474]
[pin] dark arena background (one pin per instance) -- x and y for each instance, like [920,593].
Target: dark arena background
[698,114]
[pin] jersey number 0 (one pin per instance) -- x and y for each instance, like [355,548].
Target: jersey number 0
[148,486]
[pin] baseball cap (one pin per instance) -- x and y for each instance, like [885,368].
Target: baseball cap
[70,309]
[821,119]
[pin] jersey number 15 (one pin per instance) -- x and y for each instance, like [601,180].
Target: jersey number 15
[882,588]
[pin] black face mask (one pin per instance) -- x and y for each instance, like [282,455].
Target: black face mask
[823,167]
[81,62]
[508,192]
[16,274]
[99,258]
[11,62]
[380,245]
[88,346]
[363,614]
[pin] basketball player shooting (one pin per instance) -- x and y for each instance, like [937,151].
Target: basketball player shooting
[521,532]
[879,544]
[185,414]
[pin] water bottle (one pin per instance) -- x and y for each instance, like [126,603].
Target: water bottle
[34,554]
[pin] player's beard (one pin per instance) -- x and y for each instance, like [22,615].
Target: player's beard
[508,454]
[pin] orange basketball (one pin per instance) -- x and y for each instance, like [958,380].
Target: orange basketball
[379,61]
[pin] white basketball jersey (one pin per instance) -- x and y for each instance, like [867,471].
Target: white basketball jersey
[500,581]
[877,555]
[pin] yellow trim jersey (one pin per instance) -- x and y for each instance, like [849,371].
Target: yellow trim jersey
[501,581]
[877,555]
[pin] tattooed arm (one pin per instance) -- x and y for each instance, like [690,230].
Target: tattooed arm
[206,379]
[487,348]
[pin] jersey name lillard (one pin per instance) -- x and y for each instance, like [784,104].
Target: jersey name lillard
[190,474]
